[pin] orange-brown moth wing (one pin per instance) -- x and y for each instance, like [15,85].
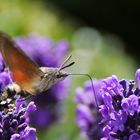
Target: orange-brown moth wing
[24,71]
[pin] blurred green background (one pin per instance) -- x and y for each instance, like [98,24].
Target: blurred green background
[96,49]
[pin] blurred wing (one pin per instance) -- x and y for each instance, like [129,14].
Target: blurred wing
[25,72]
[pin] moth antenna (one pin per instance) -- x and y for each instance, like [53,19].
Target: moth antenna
[65,61]
[72,63]
[93,89]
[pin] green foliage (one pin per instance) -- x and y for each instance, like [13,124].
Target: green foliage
[19,17]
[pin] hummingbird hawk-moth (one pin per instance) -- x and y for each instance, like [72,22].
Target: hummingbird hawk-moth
[25,72]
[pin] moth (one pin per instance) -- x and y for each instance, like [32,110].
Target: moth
[25,72]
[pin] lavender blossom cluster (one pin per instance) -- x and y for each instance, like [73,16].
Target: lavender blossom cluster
[14,122]
[45,52]
[14,114]
[87,114]
[119,110]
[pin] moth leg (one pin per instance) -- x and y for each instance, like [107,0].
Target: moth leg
[26,96]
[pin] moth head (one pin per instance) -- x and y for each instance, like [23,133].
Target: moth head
[60,75]
[54,74]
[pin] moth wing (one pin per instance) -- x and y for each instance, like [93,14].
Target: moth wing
[24,71]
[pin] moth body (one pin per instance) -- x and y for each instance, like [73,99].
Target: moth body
[50,77]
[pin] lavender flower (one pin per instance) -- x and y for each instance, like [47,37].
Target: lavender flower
[14,124]
[14,116]
[87,114]
[119,110]
[46,53]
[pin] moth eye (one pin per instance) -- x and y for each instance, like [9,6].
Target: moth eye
[42,76]
[58,76]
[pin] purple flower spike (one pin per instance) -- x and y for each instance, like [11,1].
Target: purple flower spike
[119,109]
[14,123]
[88,117]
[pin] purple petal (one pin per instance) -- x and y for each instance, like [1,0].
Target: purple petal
[130,104]
[19,103]
[15,137]
[31,107]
